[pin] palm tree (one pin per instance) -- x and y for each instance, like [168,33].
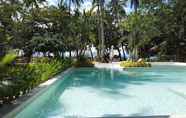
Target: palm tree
[117,10]
[68,4]
[100,6]
[118,13]
[135,5]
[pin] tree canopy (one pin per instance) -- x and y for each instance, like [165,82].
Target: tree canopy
[156,26]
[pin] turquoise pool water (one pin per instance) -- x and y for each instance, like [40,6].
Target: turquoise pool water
[160,90]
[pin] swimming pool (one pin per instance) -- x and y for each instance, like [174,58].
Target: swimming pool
[160,90]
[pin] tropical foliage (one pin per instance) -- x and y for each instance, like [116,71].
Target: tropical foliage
[142,63]
[18,80]
[83,62]
[35,26]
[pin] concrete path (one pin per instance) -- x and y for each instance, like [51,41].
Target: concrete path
[113,65]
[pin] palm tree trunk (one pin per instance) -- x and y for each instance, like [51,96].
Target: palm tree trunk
[101,30]
[98,53]
[81,51]
[62,54]
[70,54]
[28,55]
[119,53]
[124,56]
[77,55]
[84,51]
[102,40]
[69,7]
[92,57]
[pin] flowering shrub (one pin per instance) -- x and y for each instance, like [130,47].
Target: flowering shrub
[141,63]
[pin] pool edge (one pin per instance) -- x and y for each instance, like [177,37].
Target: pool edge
[169,63]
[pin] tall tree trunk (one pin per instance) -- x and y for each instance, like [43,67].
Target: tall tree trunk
[124,56]
[102,41]
[70,54]
[177,53]
[119,53]
[62,55]
[28,55]
[91,53]
[84,49]
[81,51]
[69,7]
[98,53]
[77,53]
[136,53]
[135,47]
[101,29]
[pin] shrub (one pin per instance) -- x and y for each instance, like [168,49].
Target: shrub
[7,59]
[129,63]
[40,60]
[46,70]
[25,77]
[5,62]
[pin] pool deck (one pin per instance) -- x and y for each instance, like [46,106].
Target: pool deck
[113,65]
[169,63]
[116,65]
[6,109]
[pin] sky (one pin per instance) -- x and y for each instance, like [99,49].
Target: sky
[87,5]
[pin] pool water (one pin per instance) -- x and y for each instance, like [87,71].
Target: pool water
[160,90]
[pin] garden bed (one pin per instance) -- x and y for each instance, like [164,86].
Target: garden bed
[5,110]
[19,80]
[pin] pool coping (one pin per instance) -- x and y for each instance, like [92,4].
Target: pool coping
[116,65]
[11,109]
[169,63]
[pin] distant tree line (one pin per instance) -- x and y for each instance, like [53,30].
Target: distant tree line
[154,27]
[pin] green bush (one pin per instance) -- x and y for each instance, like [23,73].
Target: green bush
[129,63]
[7,59]
[45,71]
[26,77]
[41,60]
[21,79]
[83,62]
[5,62]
